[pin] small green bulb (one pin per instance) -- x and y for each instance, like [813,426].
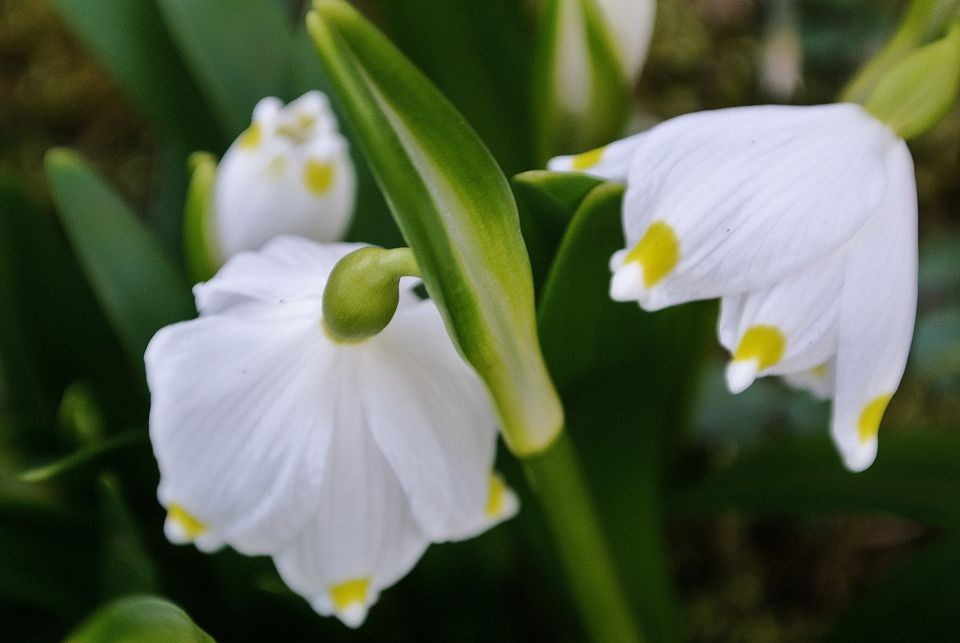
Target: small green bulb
[363,292]
[919,90]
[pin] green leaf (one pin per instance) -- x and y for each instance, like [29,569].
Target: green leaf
[47,561]
[561,129]
[478,56]
[238,51]
[916,602]
[547,202]
[129,39]
[51,330]
[915,476]
[628,373]
[139,619]
[138,287]
[125,567]
[455,210]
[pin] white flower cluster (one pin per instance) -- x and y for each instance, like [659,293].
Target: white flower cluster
[803,221]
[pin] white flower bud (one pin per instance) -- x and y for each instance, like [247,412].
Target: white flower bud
[290,172]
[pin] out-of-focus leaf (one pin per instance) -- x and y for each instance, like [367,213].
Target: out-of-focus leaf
[139,288]
[238,51]
[547,202]
[916,476]
[139,619]
[478,55]
[47,560]
[125,567]
[84,456]
[936,346]
[199,252]
[51,329]
[623,375]
[456,211]
[130,40]
[917,602]
[372,222]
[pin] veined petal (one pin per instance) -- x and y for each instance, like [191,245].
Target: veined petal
[240,418]
[877,315]
[287,269]
[739,198]
[362,537]
[433,420]
[789,327]
[610,162]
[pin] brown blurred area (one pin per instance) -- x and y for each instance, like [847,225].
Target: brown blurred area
[53,93]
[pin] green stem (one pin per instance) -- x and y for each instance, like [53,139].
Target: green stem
[556,477]
[925,20]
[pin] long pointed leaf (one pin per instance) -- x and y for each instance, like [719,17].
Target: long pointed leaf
[456,211]
[138,286]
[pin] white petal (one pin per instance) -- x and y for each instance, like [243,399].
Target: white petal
[362,538]
[240,426]
[290,173]
[819,380]
[611,162]
[786,328]
[631,23]
[286,270]
[433,420]
[878,311]
[751,195]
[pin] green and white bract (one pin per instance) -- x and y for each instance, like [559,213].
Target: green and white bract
[803,220]
[343,461]
[290,172]
[629,25]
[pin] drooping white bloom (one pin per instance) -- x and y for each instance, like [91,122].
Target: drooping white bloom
[290,172]
[629,27]
[804,221]
[341,460]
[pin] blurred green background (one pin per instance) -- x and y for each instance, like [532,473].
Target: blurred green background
[765,535]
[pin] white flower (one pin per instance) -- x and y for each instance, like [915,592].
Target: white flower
[629,25]
[289,173]
[342,460]
[804,221]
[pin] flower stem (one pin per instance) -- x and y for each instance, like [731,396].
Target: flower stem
[556,478]
[924,21]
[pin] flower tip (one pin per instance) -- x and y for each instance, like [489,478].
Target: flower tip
[860,456]
[353,615]
[627,283]
[560,164]
[741,374]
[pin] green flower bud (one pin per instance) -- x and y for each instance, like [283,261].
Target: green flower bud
[363,291]
[919,90]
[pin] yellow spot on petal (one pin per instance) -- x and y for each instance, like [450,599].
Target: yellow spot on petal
[349,593]
[276,165]
[869,424]
[318,176]
[190,525]
[250,139]
[497,498]
[820,371]
[762,343]
[587,160]
[657,253]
